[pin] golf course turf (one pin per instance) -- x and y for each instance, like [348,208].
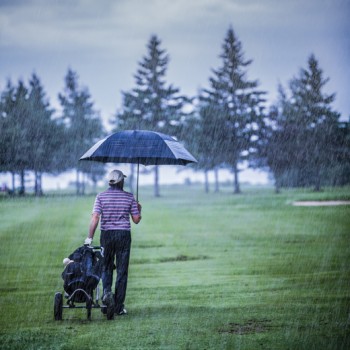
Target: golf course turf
[207,271]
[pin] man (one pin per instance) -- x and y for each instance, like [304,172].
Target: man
[114,206]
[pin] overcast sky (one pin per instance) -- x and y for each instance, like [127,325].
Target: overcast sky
[103,41]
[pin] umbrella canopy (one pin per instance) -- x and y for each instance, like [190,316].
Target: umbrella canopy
[139,147]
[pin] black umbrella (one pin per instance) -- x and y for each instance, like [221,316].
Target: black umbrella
[139,147]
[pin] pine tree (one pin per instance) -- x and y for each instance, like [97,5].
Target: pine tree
[302,145]
[275,144]
[31,137]
[152,104]
[7,131]
[45,135]
[231,108]
[204,139]
[18,125]
[316,117]
[83,124]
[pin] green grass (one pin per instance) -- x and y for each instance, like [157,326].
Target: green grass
[207,271]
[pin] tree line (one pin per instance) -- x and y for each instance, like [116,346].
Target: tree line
[35,139]
[299,138]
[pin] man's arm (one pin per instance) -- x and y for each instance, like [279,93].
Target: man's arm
[95,218]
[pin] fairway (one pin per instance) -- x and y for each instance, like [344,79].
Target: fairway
[207,271]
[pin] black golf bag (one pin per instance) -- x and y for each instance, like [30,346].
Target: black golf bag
[83,274]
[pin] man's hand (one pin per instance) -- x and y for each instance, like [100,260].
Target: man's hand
[88,241]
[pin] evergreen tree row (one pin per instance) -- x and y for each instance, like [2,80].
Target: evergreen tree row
[299,139]
[34,140]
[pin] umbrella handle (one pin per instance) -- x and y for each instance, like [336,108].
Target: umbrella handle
[137,181]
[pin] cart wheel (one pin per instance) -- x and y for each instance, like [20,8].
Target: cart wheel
[110,306]
[58,306]
[88,308]
[110,312]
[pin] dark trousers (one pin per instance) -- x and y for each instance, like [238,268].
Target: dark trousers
[115,246]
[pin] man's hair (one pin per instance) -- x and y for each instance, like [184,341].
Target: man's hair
[119,185]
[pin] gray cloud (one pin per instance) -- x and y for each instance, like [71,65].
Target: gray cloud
[103,40]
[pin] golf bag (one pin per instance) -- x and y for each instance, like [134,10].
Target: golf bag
[83,273]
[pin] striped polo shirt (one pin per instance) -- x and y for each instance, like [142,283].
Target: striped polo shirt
[115,207]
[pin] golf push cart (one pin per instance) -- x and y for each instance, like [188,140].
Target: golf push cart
[81,276]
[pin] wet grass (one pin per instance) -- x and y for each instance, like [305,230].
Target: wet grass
[217,271]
